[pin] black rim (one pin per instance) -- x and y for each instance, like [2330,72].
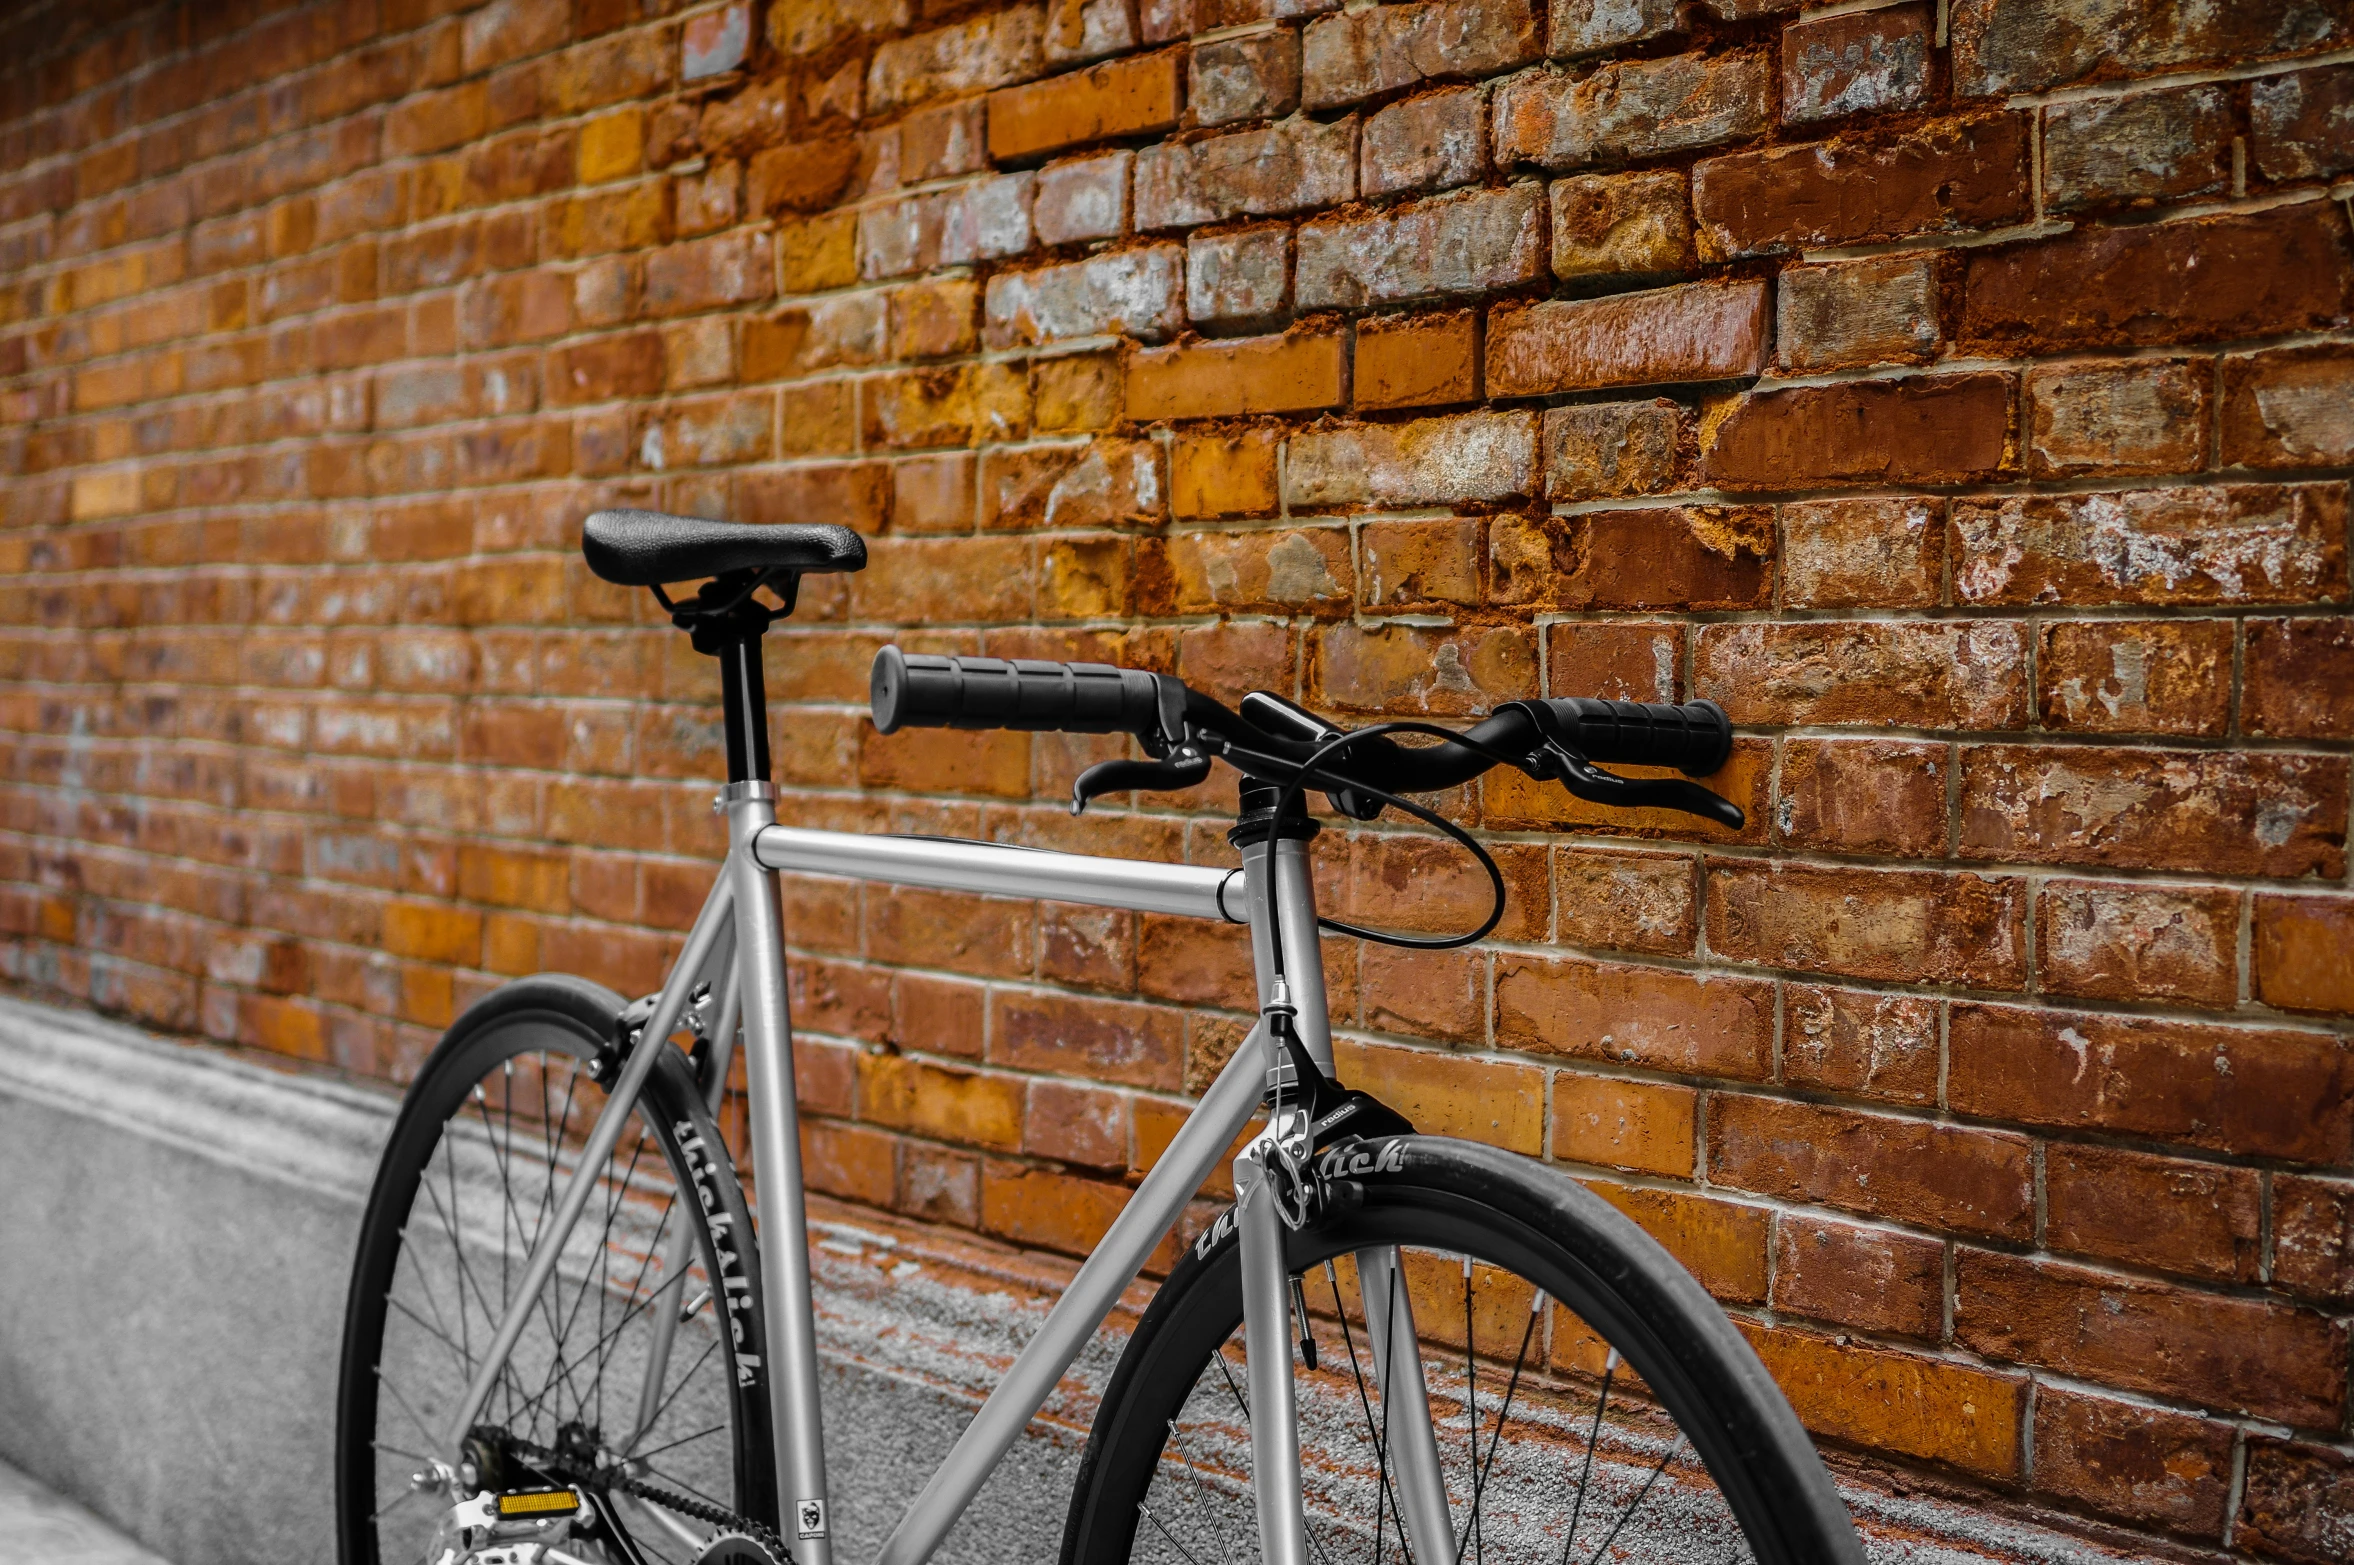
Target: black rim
[477,1159]
[1554,1451]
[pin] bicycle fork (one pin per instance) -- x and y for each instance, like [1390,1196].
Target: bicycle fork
[1409,1441]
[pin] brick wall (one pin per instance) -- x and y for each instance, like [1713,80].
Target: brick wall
[1963,395]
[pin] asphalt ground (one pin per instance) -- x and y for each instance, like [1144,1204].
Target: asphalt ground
[40,1527]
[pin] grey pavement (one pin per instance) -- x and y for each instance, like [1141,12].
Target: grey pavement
[40,1527]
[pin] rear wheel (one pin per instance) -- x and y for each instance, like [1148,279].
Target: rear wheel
[634,1377]
[1589,1401]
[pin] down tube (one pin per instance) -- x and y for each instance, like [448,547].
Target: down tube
[1197,1148]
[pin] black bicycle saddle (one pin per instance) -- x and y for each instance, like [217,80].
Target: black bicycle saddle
[648,548]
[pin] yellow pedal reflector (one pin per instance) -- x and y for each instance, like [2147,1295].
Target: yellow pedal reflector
[539,1503]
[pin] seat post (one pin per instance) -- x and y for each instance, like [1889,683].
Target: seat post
[743,690]
[726,620]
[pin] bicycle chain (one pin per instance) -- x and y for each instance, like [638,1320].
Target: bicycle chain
[557,1466]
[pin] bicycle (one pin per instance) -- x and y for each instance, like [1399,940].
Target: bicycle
[484,1417]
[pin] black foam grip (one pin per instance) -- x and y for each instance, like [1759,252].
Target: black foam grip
[919,690]
[1694,738]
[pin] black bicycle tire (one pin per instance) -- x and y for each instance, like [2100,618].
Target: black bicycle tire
[577,1016]
[1609,1271]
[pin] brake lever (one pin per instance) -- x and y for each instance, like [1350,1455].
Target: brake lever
[1557,762]
[1183,767]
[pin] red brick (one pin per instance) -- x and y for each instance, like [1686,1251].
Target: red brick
[2136,676]
[1076,1124]
[1863,62]
[1625,901]
[1412,669]
[1127,97]
[1642,1127]
[2215,812]
[1931,429]
[1255,76]
[1868,1045]
[1611,225]
[1449,1095]
[2236,544]
[1870,1278]
[1405,361]
[1297,372]
[953,1105]
[1648,1016]
[1465,242]
[1439,995]
[2313,1237]
[1943,177]
[2297,1501]
[2168,145]
[1918,674]
[1426,143]
[1661,557]
[1839,554]
[1360,53]
[1464,458]
[2255,1091]
[1722,1243]
[1292,166]
[1999,49]
[988,51]
[2295,119]
[1880,796]
[2288,408]
[1630,109]
[2195,1218]
[1856,313]
[2291,269]
[1910,925]
[2304,953]
[2132,1462]
[1224,474]
[1037,1206]
[2228,1353]
[2141,942]
[1937,1176]
[1137,1045]
[1692,332]
[1958,1415]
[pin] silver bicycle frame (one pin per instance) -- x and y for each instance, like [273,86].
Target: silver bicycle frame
[744,903]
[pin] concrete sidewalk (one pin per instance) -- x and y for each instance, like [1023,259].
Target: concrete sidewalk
[38,1527]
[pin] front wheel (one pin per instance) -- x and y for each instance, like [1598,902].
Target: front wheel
[1587,1400]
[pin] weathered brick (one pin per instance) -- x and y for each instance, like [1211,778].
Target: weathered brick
[2228,812]
[1673,556]
[1470,241]
[1112,1040]
[1920,926]
[1295,372]
[2236,1354]
[1075,391]
[1078,30]
[2289,269]
[1883,796]
[1601,449]
[2299,678]
[1859,1043]
[1280,572]
[2293,407]
[988,51]
[1592,26]
[1129,97]
[953,1105]
[1609,225]
[1840,554]
[1136,292]
[1632,109]
[1938,1176]
[2313,1236]
[1466,458]
[2301,948]
[1085,199]
[1918,674]
[2196,1218]
[1625,901]
[1647,1016]
[2298,1501]
[2136,416]
[2133,1462]
[932,320]
[2168,145]
[1860,63]
[1961,1415]
[1855,313]
[1357,54]
[826,334]
[976,222]
[1500,1104]
[1418,669]
[1927,429]
[2247,1091]
[1291,166]
[1224,474]
[2243,544]
[2299,123]
[1943,177]
[1241,281]
[1426,143]
[1690,332]
[2135,676]
[1642,1127]
[955,405]
[1409,361]
[1867,1277]
[1253,77]
[2029,47]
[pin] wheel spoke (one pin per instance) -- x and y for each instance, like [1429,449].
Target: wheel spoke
[1657,1468]
[1609,1369]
